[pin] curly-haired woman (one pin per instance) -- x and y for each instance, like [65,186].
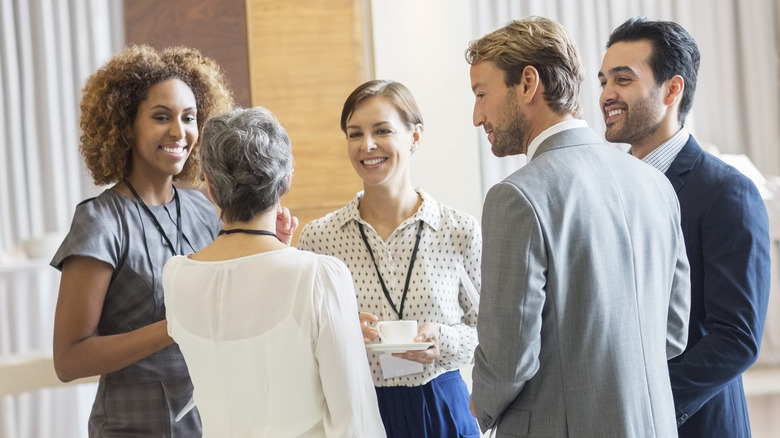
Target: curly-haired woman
[141,114]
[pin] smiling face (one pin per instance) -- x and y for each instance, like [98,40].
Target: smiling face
[380,143]
[164,130]
[631,100]
[497,110]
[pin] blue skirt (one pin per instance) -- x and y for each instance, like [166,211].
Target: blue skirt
[438,409]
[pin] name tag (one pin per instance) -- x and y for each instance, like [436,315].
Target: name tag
[396,367]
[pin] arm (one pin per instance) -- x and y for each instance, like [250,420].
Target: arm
[79,350]
[735,284]
[454,343]
[352,409]
[679,302]
[511,302]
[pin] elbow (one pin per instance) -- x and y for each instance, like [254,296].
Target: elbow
[61,369]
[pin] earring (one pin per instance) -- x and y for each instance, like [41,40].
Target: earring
[413,148]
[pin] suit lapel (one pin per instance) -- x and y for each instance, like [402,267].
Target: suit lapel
[683,163]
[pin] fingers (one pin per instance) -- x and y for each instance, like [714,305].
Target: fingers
[286,224]
[425,357]
[369,333]
[429,332]
[367,317]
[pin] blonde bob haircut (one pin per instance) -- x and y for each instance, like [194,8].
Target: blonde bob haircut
[543,44]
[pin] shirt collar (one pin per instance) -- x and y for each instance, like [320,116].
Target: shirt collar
[661,157]
[428,212]
[554,129]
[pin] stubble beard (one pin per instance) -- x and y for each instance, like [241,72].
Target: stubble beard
[639,122]
[510,141]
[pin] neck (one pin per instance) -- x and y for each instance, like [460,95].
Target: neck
[541,122]
[240,244]
[263,221]
[385,209]
[152,192]
[661,135]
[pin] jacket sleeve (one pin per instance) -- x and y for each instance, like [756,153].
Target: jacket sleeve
[734,266]
[511,302]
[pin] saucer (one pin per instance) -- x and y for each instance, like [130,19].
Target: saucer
[399,348]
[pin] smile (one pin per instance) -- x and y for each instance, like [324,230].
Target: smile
[177,150]
[372,161]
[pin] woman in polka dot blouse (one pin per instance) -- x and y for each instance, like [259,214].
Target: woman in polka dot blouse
[411,258]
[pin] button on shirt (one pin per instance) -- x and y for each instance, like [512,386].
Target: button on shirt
[450,239]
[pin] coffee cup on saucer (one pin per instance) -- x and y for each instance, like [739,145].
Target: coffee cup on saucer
[397,332]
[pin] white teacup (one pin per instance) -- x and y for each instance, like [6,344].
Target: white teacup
[397,332]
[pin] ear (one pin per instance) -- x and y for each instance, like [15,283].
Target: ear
[674,89]
[209,191]
[416,136]
[529,84]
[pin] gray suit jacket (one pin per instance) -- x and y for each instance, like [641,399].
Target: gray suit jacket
[585,295]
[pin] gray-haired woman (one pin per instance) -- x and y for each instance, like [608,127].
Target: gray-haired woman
[270,334]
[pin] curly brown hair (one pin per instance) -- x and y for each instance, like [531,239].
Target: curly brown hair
[111,96]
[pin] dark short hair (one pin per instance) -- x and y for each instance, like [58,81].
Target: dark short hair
[247,157]
[674,53]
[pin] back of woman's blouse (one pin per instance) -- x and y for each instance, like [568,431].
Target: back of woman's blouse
[273,345]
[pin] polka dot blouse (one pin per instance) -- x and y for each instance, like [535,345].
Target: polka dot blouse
[451,243]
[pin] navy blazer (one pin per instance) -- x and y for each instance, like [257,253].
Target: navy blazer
[726,232]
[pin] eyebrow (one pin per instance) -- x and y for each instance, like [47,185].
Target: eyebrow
[619,69]
[377,124]
[161,106]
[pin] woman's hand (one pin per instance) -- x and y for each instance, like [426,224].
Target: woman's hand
[286,224]
[429,332]
[369,333]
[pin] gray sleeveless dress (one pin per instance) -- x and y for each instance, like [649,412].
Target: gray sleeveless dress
[142,399]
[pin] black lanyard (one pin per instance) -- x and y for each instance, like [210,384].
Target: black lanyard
[398,311]
[154,219]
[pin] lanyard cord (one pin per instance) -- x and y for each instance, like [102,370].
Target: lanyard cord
[154,219]
[399,311]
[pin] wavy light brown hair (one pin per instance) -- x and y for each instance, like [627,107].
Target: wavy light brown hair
[543,44]
[111,97]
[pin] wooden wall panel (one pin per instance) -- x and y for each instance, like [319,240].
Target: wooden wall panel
[306,57]
[215,27]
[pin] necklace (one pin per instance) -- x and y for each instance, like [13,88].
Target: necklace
[154,218]
[400,310]
[246,231]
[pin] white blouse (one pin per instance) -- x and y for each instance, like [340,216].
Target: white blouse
[273,345]
[451,244]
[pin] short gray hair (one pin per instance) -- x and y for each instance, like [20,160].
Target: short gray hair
[247,157]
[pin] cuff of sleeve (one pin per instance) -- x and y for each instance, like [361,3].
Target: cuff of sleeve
[448,342]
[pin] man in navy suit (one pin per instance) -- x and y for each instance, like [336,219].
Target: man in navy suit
[648,79]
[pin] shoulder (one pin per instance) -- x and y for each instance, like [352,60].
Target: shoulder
[199,211]
[712,175]
[456,220]
[98,230]
[319,231]
[196,200]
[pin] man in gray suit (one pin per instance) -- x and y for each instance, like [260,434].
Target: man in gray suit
[585,281]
